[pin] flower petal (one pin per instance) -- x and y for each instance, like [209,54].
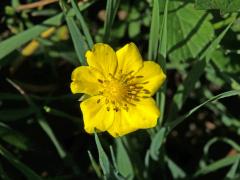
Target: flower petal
[142,116]
[153,76]
[121,124]
[129,58]
[95,115]
[86,80]
[103,58]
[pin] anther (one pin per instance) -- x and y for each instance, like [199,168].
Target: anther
[139,76]
[106,101]
[108,108]
[99,80]
[98,101]
[146,91]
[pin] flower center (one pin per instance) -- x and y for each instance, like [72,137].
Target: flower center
[122,91]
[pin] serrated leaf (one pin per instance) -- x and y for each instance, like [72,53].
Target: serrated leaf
[189,31]
[224,6]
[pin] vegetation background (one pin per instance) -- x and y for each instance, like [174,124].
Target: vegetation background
[41,130]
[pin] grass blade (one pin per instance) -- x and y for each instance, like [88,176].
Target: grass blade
[12,43]
[77,38]
[217,165]
[29,173]
[111,10]
[83,23]
[173,124]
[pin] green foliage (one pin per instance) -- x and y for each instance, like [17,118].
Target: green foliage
[223,5]
[41,126]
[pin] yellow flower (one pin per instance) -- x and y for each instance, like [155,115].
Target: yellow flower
[119,85]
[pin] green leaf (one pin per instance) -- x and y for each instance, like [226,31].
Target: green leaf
[77,38]
[29,173]
[224,6]
[154,31]
[83,23]
[45,126]
[94,165]
[173,124]
[124,165]
[156,143]
[111,10]
[189,31]
[224,162]
[3,174]
[233,173]
[193,76]
[176,171]
[103,159]
[15,114]
[14,42]
[13,137]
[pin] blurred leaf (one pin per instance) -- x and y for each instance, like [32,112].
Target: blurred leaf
[77,38]
[233,173]
[3,174]
[111,10]
[134,27]
[175,170]
[29,173]
[83,24]
[15,114]
[13,137]
[45,126]
[189,31]
[124,165]
[154,31]
[94,165]
[156,143]
[224,6]
[217,165]
[14,42]
[173,124]
[103,159]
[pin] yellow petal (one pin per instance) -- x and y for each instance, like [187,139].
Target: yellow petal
[121,124]
[86,80]
[129,58]
[95,115]
[103,58]
[153,76]
[143,115]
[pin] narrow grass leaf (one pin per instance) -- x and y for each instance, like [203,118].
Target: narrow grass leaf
[95,165]
[156,143]
[124,165]
[154,31]
[103,158]
[3,174]
[13,137]
[111,11]
[14,42]
[234,170]
[224,162]
[176,171]
[82,23]
[26,171]
[77,38]
[7,115]
[173,124]
[162,60]
[45,126]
